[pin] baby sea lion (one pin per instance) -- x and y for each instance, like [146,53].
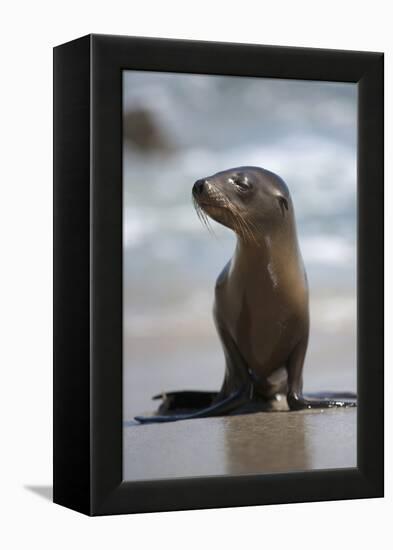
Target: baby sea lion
[261,308]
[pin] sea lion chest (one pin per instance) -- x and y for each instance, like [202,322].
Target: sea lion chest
[255,304]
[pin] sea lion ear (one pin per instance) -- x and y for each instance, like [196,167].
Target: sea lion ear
[283,204]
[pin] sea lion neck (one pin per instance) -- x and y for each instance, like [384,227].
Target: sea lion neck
[276,247]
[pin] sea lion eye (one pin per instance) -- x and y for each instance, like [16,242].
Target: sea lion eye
[241,183]
[283,204]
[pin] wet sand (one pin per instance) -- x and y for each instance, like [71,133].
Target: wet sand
[248,444]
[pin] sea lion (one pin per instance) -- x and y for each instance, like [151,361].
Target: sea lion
[261,308]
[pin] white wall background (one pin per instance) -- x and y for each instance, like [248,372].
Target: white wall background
[28,32]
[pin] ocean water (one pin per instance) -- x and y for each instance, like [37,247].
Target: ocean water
[304,131]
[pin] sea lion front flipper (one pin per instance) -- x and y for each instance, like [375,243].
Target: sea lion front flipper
[296,400]
[300,402]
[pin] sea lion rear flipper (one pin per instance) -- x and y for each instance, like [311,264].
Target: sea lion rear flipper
[185,400]
[229,404]
[235,395]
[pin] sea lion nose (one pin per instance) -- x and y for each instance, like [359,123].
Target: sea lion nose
[198,187]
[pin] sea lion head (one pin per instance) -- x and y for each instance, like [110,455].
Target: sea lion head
[249,200]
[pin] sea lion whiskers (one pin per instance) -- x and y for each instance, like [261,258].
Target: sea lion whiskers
[245,226]
[202,216]
[247,229]
[241,224]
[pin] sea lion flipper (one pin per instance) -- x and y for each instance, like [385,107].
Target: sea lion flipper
[185,393]
[235,394]
[183,400]
[296,400]
[234,401]
[300,402]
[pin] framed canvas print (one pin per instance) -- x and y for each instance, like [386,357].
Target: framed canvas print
[218,274]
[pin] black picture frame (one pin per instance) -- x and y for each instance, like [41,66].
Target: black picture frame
[88,274]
